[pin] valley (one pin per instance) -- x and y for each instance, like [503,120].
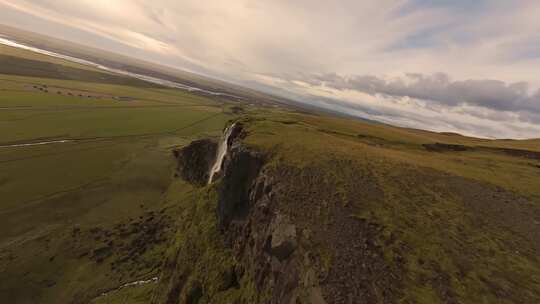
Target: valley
[118,190]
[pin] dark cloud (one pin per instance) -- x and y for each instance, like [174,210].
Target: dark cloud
[490,94]
[467,123]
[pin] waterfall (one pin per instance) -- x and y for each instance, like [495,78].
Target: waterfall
[221,152]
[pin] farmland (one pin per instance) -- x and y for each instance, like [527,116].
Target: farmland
[109,164]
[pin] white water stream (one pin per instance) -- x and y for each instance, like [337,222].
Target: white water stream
[221,152]
[37,143]
[136,283]
[151,79]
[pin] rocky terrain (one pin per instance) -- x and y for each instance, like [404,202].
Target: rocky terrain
[333,219]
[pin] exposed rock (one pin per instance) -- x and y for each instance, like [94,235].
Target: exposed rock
[440,147]
[240,169]
[283,237]
[195,160]
[535,155]
[262,239]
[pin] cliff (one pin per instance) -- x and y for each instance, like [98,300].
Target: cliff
[303,215]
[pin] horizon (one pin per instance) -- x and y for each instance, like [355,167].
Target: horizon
[446,67]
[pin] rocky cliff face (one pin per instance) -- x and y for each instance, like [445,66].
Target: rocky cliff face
[195,161]
[297,239]
[315,210]
[262,239]
[241,168]
[300,215]
[279,225]
[300,243]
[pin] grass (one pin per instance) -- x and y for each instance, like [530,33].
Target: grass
[461,224]
[355,139]
[70,212]
[199,254]
[159,96]
[27,67]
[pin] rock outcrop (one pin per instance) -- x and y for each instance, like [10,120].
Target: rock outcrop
[281,226]
[264,241]
[241,169]
[195,160]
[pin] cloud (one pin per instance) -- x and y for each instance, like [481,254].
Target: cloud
[490,94]
[467,120]
[402,51]
[372,98]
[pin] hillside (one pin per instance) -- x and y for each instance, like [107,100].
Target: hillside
[105,199]
[312,209]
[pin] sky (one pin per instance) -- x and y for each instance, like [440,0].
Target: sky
[463,66]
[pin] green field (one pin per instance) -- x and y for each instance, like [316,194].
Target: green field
[91,202]
[113,170]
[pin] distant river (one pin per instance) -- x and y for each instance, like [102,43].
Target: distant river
[151,79]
